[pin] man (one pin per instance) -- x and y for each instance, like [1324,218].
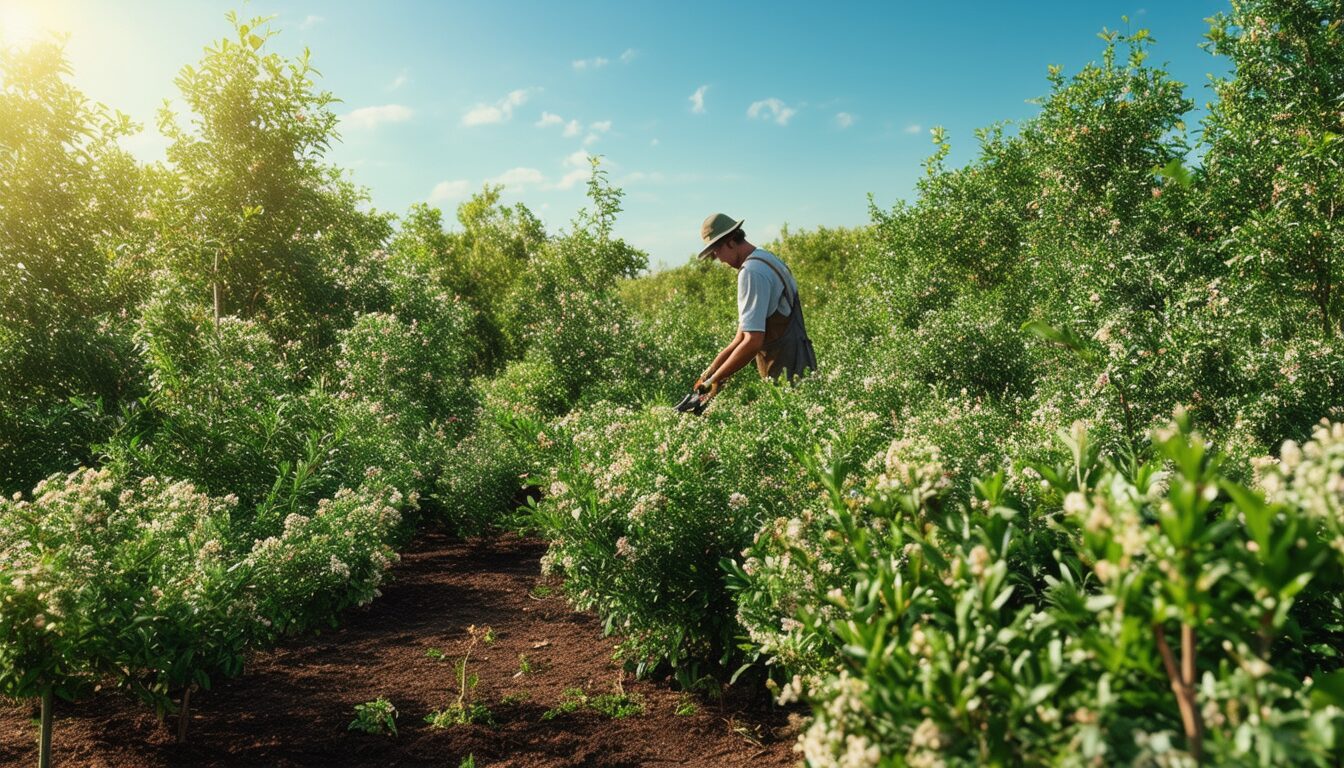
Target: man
[769,316]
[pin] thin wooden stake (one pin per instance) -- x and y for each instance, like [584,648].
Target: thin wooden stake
[184,716]
[44,739]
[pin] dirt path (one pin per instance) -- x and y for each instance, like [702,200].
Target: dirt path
[293,705]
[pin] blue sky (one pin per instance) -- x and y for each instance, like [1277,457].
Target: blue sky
[783,113]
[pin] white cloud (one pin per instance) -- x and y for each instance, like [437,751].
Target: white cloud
[844,119]
[572,129]
[311,21]
[577,159]
[914,128]
[499,112]
[446,191]
[401,79]
[549,118]
[638,177]
[771,109]
[519,178]
[629,55]
[595,131]
[574,177]
[596,62]
[483,114]
[368,118]
[698,100]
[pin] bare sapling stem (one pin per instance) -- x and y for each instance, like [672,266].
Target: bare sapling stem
[44,739]
[215,289]
[184,715]
[1129,419]
[1182,684]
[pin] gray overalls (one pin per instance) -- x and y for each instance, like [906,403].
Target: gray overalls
[786,347]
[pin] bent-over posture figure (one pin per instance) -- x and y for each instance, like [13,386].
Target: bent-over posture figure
[769,315]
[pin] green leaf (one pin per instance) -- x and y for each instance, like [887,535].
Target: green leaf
[1062,336]
[1097,603]
[254,41]
[1176,172]
[1328,689]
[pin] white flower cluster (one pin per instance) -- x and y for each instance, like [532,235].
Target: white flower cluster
[1310,476]
[837,737]
[912,468]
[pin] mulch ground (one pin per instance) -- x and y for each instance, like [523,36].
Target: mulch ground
[292,706]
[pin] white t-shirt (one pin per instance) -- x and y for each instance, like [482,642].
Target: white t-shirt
[760,293]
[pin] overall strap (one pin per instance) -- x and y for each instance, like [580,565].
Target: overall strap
[793,303]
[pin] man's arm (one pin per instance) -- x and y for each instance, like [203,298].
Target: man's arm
[743,348]
[723,355]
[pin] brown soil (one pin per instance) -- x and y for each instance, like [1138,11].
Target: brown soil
[293,704]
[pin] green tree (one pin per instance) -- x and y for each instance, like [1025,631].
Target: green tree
[482,263]
[70,214]
[255,222]
[1275,153]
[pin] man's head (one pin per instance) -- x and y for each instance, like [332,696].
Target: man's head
[724,240]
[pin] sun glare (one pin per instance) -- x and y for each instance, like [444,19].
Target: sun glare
[18,24]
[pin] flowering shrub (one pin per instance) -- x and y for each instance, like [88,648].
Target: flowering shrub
[480,479]
[223,410]
[529,387]
[1141,614]
[324,562]
[642,505]
[132,581]
[418,372]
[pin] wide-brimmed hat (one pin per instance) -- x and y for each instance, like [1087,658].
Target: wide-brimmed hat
[715,228]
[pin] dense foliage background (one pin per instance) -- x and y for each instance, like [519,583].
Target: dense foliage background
[1065,490]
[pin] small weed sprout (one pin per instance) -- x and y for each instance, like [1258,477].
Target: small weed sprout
[572,700]
[463,711]
[686,707]
[618,705]
[615,705]
[515,698]
[377,716]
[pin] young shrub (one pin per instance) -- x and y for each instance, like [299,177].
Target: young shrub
[130,582]
[223,410]
[324,562]
[481,478]
[1167,628]
[644,505]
